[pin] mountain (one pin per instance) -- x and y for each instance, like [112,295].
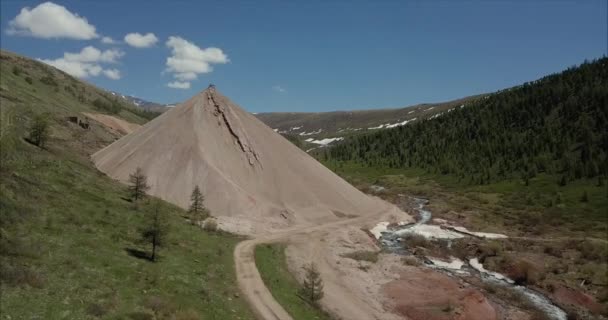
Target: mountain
[69,236]
[316,126]
[555,125]
[144,104]
[247,172]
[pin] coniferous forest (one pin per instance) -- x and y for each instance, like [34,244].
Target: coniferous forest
[556,125]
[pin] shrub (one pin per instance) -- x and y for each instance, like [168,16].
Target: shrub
[414,240]
[48,80]
[553,250]
[210,225]
[410,261]
[523,272]
[160,306]
[363,255]
[104,105]
[19,275]
[17,70]
[39,130]
[490,249]
[97,310]
[29,80]
[592,251]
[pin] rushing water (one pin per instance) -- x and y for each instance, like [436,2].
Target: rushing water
[391,241]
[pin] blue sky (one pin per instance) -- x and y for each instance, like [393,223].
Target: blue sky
[308,55]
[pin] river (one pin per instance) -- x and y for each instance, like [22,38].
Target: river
[390,238]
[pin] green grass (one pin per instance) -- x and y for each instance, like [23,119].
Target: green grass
[272,264]
[508,203]
[67,235]
[66,226]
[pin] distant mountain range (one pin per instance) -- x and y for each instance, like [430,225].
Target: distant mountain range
[322,128]
[318,129]
[144,104]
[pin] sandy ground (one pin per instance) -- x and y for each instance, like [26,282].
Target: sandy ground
[344,297]
[386,289]
[119,125]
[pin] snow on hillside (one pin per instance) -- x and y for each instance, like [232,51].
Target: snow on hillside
[325,141]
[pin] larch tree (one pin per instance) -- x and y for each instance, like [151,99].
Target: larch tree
[197,210]
[155,229]
[312,289]
[138,184]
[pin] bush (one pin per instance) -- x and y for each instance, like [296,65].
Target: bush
[160,306]
[29,80]
[524,273]
[48,80]
[39,130]
[97,310]
[110,107]
[592,251]
[553,250]
[210,225]
[414,240]
[410,261]
[19,275]
[490,249]
[363,255]
[17,70]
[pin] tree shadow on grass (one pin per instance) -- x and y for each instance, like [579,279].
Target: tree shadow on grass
[139,254]
[126,199]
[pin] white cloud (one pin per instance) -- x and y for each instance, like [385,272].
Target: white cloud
[178,85]
[113,74]
[49,20]
[92,54]
[187,61]
[108,40]
[75,68]
[278,88]
[87,62]
[186,76]
[139,40]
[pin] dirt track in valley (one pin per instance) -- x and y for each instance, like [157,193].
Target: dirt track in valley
[337,293]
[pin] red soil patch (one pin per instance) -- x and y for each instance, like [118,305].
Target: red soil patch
[426,294]
[572,297]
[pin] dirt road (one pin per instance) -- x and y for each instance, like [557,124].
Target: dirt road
[306,238]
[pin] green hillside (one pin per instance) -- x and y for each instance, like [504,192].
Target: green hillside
[542,146]
[69,240]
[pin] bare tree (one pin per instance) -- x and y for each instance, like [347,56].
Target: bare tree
[197,210]
[155,229]
[139,184]
[313,284]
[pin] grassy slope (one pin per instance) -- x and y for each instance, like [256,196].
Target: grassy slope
[507,205]
[272,264]
[65,230]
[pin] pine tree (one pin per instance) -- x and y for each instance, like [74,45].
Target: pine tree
[197,210]
[139,184]
[313,284]
[155,229]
